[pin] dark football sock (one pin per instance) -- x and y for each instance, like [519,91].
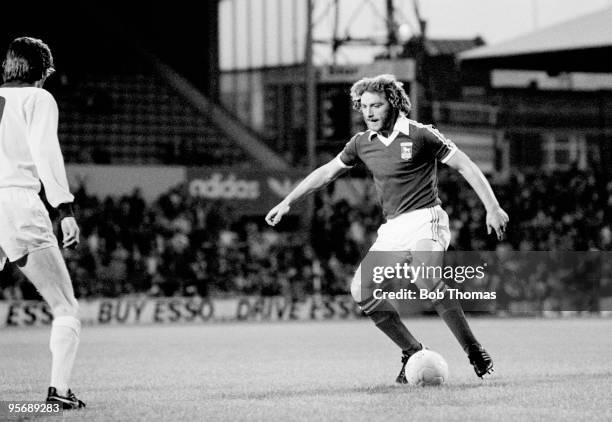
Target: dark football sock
[451,312]
[387,319]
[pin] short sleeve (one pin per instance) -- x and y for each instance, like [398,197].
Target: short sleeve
[348,157]
[441,147]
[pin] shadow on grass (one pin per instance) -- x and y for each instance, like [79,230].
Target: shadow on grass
[540,379]
[403,389]
[382,389]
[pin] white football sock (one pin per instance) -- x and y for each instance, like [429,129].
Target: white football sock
[64,343]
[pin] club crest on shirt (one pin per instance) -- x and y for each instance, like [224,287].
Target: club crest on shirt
[406,150]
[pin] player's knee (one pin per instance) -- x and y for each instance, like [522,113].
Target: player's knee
[67,308]
[356,287]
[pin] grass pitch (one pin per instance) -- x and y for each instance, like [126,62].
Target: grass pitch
[557,370]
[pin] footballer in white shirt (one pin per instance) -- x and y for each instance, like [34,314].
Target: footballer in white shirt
[30,154]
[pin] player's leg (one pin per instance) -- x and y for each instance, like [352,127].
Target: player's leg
[46,269]
[430,254]
[383,313]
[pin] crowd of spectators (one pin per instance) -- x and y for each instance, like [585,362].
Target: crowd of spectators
[186,246]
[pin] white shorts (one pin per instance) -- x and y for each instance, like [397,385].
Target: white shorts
[24,224]
[402,233]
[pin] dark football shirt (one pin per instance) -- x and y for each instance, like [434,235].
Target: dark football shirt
[404,165]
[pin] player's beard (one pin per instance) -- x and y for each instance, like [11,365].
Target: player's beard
[389,122]
[384,124]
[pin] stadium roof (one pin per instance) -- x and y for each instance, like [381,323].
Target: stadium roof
[446,47]
[582,44]
[441,46]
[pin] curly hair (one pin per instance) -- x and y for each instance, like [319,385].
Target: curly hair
[27,60]
[387,84]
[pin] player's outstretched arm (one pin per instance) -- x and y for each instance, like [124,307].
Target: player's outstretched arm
[496,216]
[314,181]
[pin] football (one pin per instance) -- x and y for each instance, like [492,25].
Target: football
[425,368]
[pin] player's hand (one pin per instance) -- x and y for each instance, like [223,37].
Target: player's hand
[70,231]
[497,219]
[276,214]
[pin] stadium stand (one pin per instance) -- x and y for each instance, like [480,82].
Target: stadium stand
[137,119]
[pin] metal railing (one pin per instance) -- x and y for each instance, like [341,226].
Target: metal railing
[520,114]
[454,112]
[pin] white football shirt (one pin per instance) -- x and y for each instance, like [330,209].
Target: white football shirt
[29,147]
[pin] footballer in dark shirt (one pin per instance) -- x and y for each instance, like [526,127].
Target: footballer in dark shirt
[402,155]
